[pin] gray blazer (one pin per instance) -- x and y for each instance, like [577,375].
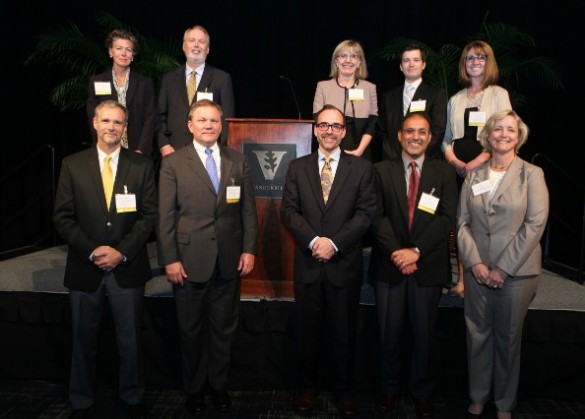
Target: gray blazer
[506,232]
[199,228]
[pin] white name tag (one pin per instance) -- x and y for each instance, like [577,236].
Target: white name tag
[418,106]
[428,203]
[481,187]
[204,95]
[477,119]
[125,202]
[102,88]
[356,94]
[233,194]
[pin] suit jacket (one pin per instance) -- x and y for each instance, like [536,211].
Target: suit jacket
[344,220]
[140,105]
[173,104]
[506,231]
[198,228]
[392,114]
[430,232]
[83,221]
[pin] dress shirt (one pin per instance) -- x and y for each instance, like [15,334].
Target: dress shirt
[406,161]
[115,155]
[200,149]
[199,73]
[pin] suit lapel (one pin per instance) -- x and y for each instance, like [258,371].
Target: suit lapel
[341,174]
[396,173]
[206,79]
[314,180]
[482,174]
[226,168]
[95,176]
[181,85]
[131,88]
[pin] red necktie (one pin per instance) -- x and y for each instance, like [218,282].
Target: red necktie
[412,192]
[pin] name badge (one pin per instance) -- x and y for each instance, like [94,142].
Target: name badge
[125,202]
[204,95]
[102,88]
[233,194]
[356,94]
[481,187]
[477,119]
[428,203]
[418,106]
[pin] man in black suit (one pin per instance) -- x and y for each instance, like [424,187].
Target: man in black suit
[410,264]
[105,210]
[207,240]
[327,218]
[415,95]
[174,102]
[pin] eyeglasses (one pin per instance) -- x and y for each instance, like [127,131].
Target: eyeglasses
[411,131]
[324,126]
[350,56]
[479,57]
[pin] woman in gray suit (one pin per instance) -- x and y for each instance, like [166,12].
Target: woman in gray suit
[503,212]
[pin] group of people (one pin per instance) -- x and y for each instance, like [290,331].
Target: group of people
[204,216]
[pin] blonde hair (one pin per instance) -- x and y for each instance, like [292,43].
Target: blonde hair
[352,47]
[498,116]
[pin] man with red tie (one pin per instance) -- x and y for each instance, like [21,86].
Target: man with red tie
[417,199]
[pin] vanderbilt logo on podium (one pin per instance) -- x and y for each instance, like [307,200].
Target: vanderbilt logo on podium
[269,163]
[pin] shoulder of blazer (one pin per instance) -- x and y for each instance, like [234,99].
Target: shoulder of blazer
[106,75]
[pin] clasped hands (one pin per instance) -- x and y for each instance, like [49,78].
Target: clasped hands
[106,258]
[492,278]
[323,249]
[405,260]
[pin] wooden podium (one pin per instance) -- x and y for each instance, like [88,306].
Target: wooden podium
[270,144]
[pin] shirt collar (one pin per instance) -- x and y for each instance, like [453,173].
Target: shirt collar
[114,155]
[336,155]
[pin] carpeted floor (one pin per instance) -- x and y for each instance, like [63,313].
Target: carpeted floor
[42,399]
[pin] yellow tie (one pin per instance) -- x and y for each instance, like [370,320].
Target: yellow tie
[191,87]
[326,179]
[108,180]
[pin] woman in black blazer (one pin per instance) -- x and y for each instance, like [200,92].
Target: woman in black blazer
[131,89]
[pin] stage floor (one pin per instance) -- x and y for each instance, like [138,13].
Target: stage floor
[36,334]
[43,272]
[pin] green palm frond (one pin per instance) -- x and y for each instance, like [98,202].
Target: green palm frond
[78,57]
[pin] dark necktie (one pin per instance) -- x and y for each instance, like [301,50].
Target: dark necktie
[412,192]
[212,169]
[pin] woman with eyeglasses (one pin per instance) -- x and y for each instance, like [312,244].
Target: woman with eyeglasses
[467,113]
[133,90]
[348,90]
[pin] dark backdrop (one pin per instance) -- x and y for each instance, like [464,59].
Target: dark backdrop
[256,41]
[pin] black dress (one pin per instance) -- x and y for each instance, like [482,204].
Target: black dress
[467,148]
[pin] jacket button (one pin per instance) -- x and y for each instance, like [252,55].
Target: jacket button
[109,224]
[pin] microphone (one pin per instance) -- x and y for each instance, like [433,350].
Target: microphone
[282,77]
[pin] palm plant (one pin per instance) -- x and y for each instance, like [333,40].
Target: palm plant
[80,57]
[518,71]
